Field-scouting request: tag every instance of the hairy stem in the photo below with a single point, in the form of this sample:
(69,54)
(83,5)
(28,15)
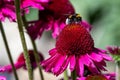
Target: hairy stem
(65,75)
(20,28)
(37,58)
(73,75)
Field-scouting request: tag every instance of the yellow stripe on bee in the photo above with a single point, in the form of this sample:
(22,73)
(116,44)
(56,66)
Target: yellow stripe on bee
(78,15)
(70,16)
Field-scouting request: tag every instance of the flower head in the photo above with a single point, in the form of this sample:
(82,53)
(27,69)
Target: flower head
(115,52)
(75,47)
(110,76)
(7,10)
(51,18)
(21,62)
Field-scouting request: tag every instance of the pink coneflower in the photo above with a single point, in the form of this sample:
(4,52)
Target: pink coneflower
(21,62)
(2,78)
(75,47)
(114,50)
(7,10)
(110,76)
(51,18)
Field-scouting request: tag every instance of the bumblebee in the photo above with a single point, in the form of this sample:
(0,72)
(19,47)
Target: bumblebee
(75,18)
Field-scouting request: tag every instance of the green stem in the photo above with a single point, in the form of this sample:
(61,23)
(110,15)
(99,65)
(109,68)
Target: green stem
(73,75)
(37,58)
(8,51)
(65,75)
(118,70)
(20,28)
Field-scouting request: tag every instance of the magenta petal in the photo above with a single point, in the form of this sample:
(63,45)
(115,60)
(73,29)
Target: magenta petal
(103,63)
(52,51)
(2,78)
(81,78)
(100,66)
(51,65)
(106,56)
(62,25)
(93,69)
(95,57)
(59,64)
(101,50)
(55,30)
(110,76)
(85,60)
(64,66)
(42,0)
(81,67)
(49,60)
(19,65)
(8,68)
(72,62)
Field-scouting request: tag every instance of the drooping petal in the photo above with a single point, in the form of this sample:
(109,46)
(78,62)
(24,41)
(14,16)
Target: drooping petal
(106,56)
(85,60)
(52,51)
(72,63)
(51,65)
(51,59)
(95,57)
(81,67)
(93,69)
(55,30)
(64,66)
(8,68)
(59,64)
(81,78)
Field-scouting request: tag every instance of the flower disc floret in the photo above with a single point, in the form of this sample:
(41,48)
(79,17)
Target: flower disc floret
(74,39)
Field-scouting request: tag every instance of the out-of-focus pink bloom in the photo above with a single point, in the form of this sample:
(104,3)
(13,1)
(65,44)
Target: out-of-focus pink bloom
(21,62)
(51,18)
(114,50)
(75,47)
(2,78)
(25,4)
(7,10)
(110,76)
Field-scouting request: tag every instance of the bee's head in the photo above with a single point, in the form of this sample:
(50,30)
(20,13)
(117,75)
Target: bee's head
(75,18)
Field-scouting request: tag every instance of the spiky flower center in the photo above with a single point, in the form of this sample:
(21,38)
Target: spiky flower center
(74,39)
